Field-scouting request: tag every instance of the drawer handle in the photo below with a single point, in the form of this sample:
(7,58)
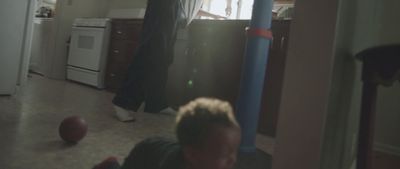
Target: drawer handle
(112,75)
(272,43)
(116,51)
(119,32)
(282,42)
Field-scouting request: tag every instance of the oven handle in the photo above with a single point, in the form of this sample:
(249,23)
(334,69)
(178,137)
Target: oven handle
(88,28)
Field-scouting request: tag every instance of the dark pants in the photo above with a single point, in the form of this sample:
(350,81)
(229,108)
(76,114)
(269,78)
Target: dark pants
(146,82)
(147,75)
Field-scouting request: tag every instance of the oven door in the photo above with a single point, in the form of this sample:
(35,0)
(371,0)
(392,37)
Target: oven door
(86,47)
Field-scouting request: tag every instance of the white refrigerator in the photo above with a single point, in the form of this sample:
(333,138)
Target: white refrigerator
(15,33)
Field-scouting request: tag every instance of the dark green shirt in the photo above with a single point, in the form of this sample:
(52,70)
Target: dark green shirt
(155,153)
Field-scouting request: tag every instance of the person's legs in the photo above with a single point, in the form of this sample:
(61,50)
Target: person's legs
(148,77)
(156,81)
(131,94)
(160,59)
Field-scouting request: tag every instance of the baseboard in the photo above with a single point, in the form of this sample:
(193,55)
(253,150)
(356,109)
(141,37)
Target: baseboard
(387,149)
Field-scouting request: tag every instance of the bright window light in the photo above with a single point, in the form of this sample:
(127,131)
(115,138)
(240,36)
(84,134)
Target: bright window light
(246,10)
(218,7)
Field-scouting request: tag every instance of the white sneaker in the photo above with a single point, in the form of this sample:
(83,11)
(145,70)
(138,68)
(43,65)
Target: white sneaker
(168,110)
(123,115)
(141,107)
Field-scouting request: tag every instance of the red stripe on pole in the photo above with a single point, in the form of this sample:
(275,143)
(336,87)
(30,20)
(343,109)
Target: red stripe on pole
(265,33)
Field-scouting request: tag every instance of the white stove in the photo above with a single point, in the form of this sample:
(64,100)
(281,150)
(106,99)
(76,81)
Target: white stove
(91,22)
(88,51)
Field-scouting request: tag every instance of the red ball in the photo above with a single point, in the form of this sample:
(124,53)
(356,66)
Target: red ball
(73,129)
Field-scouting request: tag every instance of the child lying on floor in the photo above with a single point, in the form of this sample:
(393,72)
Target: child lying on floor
(208,138)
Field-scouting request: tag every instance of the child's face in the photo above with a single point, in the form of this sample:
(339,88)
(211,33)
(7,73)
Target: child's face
(219,150)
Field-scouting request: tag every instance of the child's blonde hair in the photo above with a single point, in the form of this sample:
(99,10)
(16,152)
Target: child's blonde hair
(196,119)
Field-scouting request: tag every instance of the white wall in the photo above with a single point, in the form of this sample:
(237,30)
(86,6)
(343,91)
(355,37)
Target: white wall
(365,25)
(387,26)
(326,125)
(13,16)
(126,4)
(126,8)
(67,11)
(374,22)
(341,126)
(26,53)
(377,24)
(307,85)
(387,137)
(50,1)
(387,22)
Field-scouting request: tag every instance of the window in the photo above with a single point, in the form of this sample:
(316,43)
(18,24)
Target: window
(246,10)
(241,9)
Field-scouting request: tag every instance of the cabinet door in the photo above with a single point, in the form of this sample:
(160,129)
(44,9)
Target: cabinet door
(272,92)
(115,76)
(124,41)
(178,75)
(122,51)
(126,29)
(217,53)
(121,55)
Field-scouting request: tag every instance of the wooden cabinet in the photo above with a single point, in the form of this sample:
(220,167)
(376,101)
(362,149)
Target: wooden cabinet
(207,63)
(124,40)
(178,72)
(273,84)
(213,62)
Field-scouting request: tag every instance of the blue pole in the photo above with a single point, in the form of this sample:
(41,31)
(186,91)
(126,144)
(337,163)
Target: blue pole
(252,82)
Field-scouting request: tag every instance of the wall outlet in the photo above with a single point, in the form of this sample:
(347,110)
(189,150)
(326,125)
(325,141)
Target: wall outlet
(69,2)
